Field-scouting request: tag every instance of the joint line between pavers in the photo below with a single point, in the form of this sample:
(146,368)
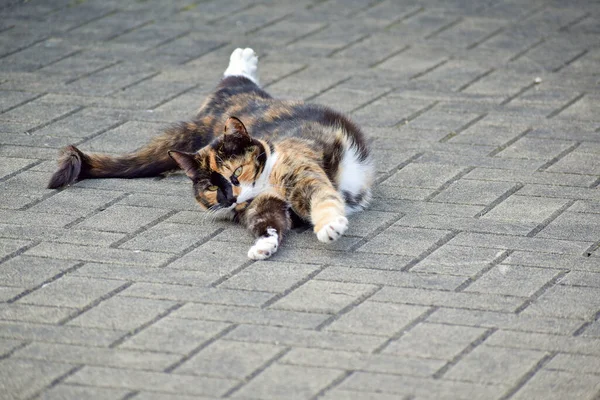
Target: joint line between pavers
(416,114)
(301,282)
(266,25)
(130,395)
(376,232)
(128,30)
(190,248)
(371,4)
(561,274)
(448,237)
(485,38)
(199,348)
(71,54)
(93,304)
(393,54)
(471,279)
(526,50)
(170,40)
(24,102)
(570,61)
(462,128)
(108,128)
(145,325)
(520,92)
(294,72)
(232,273)
(44,283)
(482,338)
(347,309)
(579,331)
(308,34)
(222,17)
(20,251)
(57,381)
(404,18)
(328,88)
(108,14)
(211,50)
(574,22)
(97,210)
(558,157)
(10,53)
(428,70)
(53,120)
(503,146)
(528,375)
(25,168)
(588,252)
(146,78)
(348,45)
(551,218)
(82,76)
(449,182)
(405,329)
(173,97)
(256,372)
(476,79)
(569,104)
(444,28)
(371,101)
(336,382)
(143,228)
(499,200)
(9,354)
(397,168)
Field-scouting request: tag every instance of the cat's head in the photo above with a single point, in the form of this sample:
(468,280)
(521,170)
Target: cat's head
(223,172)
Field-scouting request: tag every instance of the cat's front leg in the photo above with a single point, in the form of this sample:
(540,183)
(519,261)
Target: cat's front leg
(328,214)
(268,218)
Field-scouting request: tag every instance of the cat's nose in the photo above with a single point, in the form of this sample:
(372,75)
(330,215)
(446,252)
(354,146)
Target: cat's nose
(230,201)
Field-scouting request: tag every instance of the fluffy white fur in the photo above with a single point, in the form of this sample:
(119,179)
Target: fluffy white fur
(265,246)
(243,62)
(333,230)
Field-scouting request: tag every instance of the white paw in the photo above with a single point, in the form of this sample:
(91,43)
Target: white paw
(243,62)
(264,247)
(333,230)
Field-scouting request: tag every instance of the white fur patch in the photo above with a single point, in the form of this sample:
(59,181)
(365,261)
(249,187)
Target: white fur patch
(355,177)
(265,246)
(243,62)
(333,230)
(261,184)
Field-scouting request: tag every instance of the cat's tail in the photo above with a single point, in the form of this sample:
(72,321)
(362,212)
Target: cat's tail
(151,160)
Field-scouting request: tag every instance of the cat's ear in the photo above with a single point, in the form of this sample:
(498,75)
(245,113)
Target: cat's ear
(187,162)
(234,125)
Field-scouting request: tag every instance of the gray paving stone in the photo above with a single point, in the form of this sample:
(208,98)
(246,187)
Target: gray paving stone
(485,364)
(576,363)
(174,335)
(456,260)
(24,378)
(228,359)
(122,219)
(33,313)
(124,312)
(269,276)
(493,319)
(546,342)
(77,202)
(574,226)
(403,241)
(566,302)
(146,380)
(434,341)
(391,278)
(250,315)
(558,385)
(473,192)
(522,208)
(293,382)
(58,334)
(419,387)
(71,291)
(71,392)
(309,297)
(473,301)
(25,271)
(76,355)
(540,245)
(422,175)
(512,280)
(305,338)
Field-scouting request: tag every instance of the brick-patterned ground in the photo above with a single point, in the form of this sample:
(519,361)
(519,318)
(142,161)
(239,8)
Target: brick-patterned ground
(474,275)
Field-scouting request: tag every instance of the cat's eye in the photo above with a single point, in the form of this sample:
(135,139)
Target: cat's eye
(212,188)
(237,172)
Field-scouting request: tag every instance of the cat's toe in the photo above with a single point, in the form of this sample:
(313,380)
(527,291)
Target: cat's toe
(333,230)
(236,55)
(263,248)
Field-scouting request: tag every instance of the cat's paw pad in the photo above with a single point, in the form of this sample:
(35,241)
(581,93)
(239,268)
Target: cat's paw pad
(264,247)
(243,62)
(333,230)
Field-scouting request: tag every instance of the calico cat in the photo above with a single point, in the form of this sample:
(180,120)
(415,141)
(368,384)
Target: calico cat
(255,159)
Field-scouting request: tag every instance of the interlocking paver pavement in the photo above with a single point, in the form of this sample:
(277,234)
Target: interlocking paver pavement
(475,273)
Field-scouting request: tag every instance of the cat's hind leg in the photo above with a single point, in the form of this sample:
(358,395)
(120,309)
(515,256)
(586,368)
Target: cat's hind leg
(243,62)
